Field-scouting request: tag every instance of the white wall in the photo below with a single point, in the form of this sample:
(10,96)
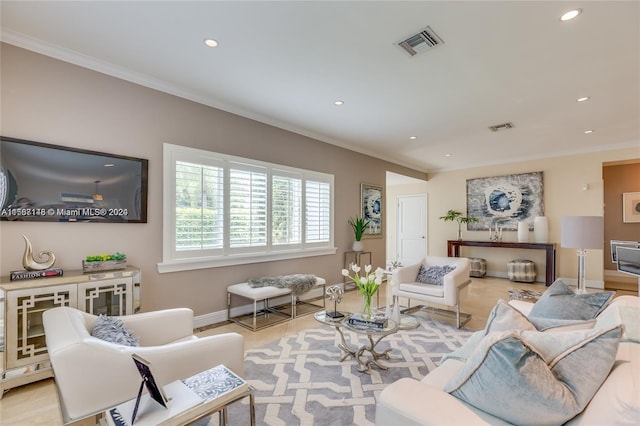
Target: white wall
(563,196)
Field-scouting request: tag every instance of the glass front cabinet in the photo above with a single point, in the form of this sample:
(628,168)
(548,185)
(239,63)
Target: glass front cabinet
(24,355)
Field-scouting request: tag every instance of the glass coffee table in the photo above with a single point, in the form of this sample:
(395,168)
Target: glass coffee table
(374,335)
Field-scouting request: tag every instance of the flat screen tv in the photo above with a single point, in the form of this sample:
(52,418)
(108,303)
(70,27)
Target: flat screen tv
(629,260)
(617,243)
(50,183)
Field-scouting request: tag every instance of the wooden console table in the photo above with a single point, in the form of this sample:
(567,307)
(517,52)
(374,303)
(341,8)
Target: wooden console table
(453,250)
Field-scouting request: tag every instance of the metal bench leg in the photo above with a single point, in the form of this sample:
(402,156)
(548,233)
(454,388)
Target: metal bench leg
(255,313)
(293,306)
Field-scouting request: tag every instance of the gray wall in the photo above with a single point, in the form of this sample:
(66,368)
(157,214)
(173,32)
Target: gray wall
(51,101)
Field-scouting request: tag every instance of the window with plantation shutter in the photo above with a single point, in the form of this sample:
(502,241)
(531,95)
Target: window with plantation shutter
(223,210)
(247,206)
(318,202)
(199,206)
(286,210)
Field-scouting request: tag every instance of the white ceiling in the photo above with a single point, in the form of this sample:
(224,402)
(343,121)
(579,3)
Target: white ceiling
(285,63)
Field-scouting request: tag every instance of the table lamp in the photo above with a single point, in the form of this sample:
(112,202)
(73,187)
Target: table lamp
(582,233)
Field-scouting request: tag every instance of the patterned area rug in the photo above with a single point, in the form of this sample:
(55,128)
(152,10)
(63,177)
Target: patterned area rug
(299,380)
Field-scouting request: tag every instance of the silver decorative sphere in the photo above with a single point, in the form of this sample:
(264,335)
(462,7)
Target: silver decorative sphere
(335,293)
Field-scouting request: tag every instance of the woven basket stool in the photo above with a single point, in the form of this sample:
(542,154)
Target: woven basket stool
(521,270)
(478,267)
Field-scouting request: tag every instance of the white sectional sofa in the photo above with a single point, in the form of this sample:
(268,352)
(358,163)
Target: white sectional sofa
(616,402)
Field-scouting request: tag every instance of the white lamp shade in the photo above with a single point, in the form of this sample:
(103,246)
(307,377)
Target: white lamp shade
(582,232)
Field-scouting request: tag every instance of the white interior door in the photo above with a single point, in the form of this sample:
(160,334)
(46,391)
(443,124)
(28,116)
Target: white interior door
(412,228)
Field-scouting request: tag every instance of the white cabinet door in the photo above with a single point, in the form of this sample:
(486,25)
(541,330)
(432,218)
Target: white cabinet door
(25,342)
(112,297)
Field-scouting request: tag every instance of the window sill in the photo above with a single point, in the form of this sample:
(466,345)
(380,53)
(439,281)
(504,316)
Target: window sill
(191,264)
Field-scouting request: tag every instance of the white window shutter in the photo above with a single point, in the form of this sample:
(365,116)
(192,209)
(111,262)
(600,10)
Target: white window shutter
(199,206)
(286,210)
(247,206)
(318,211)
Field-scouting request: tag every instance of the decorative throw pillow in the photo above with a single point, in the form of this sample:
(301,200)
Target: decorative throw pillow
(529,377)
(433,274)
(112,330)
(559,301)
(504,317)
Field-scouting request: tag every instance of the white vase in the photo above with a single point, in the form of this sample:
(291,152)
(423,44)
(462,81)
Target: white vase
(523,232)
(541,229)
(357,246)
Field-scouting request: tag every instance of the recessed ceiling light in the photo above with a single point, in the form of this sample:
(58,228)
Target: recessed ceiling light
(586,132)
(109,165)
(338,103)
(211,42)
(569,15)
(413,138)
(448,155)
(582,99)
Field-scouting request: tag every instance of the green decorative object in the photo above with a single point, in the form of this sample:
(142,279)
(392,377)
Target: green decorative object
(454,215)
(104,262)
(358,224)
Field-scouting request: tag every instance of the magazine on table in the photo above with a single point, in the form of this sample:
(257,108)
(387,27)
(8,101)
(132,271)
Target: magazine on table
(217,382)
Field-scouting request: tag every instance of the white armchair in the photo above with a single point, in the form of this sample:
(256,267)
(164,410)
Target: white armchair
(92,374)
(446,294)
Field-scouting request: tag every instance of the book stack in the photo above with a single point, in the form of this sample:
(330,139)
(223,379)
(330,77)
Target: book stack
(29,275)
(378,323)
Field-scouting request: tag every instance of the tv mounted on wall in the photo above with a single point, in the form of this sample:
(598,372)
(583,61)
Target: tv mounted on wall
(51,183)
(617,243)
(629,260)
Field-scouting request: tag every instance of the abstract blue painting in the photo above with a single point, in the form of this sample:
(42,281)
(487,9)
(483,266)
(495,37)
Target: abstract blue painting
(505,200)
(371,198)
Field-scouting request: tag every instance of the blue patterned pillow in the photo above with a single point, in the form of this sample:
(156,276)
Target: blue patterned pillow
(433,274)
(529,377)
(559,301)
(112,330)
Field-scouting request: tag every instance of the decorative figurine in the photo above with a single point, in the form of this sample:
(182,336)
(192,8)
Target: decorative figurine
(31,264)
(335,293)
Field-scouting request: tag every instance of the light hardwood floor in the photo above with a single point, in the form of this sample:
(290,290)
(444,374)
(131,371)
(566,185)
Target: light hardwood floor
(37,403)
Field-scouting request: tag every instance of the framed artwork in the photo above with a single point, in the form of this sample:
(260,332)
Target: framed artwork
(631,207)
(371,198)
(505,201)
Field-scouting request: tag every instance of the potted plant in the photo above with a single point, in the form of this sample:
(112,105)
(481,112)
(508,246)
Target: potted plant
(458,217)
(358,224)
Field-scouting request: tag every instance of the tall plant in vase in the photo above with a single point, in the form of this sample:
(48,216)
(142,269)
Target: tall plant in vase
(455,215)
(359,225)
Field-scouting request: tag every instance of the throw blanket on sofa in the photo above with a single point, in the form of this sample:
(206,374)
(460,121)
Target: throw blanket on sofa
(297,283)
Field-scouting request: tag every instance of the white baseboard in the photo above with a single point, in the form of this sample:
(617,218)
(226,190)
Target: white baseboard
(501,274)
(221,316)
(620,277)
(597,284)
(589,283)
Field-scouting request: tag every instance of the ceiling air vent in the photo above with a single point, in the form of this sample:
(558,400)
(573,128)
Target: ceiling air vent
(503,126)
(425,40)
